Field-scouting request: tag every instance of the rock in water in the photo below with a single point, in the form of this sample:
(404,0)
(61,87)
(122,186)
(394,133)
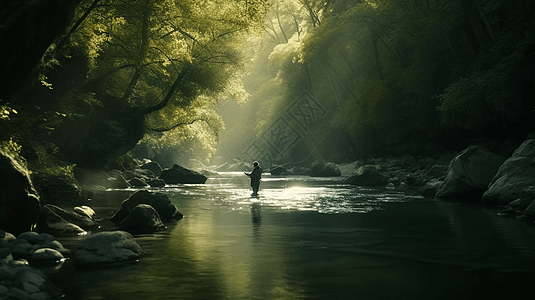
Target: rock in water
(107,248)
(46,256)
(142,219)
(516,173)
(55,220)
(156,183)
(178,174)
(277,170)
(470,173)
(159,201)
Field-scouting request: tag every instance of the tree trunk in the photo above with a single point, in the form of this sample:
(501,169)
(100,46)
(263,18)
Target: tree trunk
(142,53)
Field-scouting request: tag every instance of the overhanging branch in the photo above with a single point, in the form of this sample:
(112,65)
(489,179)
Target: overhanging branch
(163,129)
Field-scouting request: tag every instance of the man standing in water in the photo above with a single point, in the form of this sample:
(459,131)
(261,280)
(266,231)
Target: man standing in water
(255,175)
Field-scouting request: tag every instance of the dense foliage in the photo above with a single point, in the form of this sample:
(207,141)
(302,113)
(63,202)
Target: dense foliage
(400,76)
(155,69)
(388,77)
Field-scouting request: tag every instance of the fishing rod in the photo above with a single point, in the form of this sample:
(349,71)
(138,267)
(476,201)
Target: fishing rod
(281,165)
(298,162)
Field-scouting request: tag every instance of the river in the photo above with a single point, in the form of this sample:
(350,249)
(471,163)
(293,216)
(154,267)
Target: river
(315,238)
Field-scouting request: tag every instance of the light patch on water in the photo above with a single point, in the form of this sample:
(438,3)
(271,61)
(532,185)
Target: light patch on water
(231,192)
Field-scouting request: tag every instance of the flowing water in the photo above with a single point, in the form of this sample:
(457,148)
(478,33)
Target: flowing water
(315,238)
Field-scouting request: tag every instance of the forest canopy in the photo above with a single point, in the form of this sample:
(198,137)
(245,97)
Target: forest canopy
(344,78)
(398,76)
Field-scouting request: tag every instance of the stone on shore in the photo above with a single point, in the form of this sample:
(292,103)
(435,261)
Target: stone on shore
(107,248)
(178,174)
(142,219)
(368,175)
(515,173)
(321,169)
(470,173)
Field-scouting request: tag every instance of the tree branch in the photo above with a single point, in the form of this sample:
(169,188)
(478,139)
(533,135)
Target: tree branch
(177,125)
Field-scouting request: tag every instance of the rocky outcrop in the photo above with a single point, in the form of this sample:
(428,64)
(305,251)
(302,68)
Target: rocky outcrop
(367,175)
(142,219)
(321,169)
(516,173)
(106,248)
(178,174)
(159,201)
(470,173)
(19,201)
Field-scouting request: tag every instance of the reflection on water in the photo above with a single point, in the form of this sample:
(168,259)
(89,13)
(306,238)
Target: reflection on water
(317,238)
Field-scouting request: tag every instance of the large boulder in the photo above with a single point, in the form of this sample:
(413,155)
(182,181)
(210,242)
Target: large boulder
(368,175)
(321,169)
(107,248)
(137,182)
(142,219)
(19,201)
(55,220)
(515,173)
(470,173)
(153,166)
(159,201)
(45,256)
(156,183)
(179,174)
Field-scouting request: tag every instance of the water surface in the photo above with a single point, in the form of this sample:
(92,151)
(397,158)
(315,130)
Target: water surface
(316,238)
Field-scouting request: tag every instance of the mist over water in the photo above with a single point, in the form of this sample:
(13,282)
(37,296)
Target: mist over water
(316,238)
